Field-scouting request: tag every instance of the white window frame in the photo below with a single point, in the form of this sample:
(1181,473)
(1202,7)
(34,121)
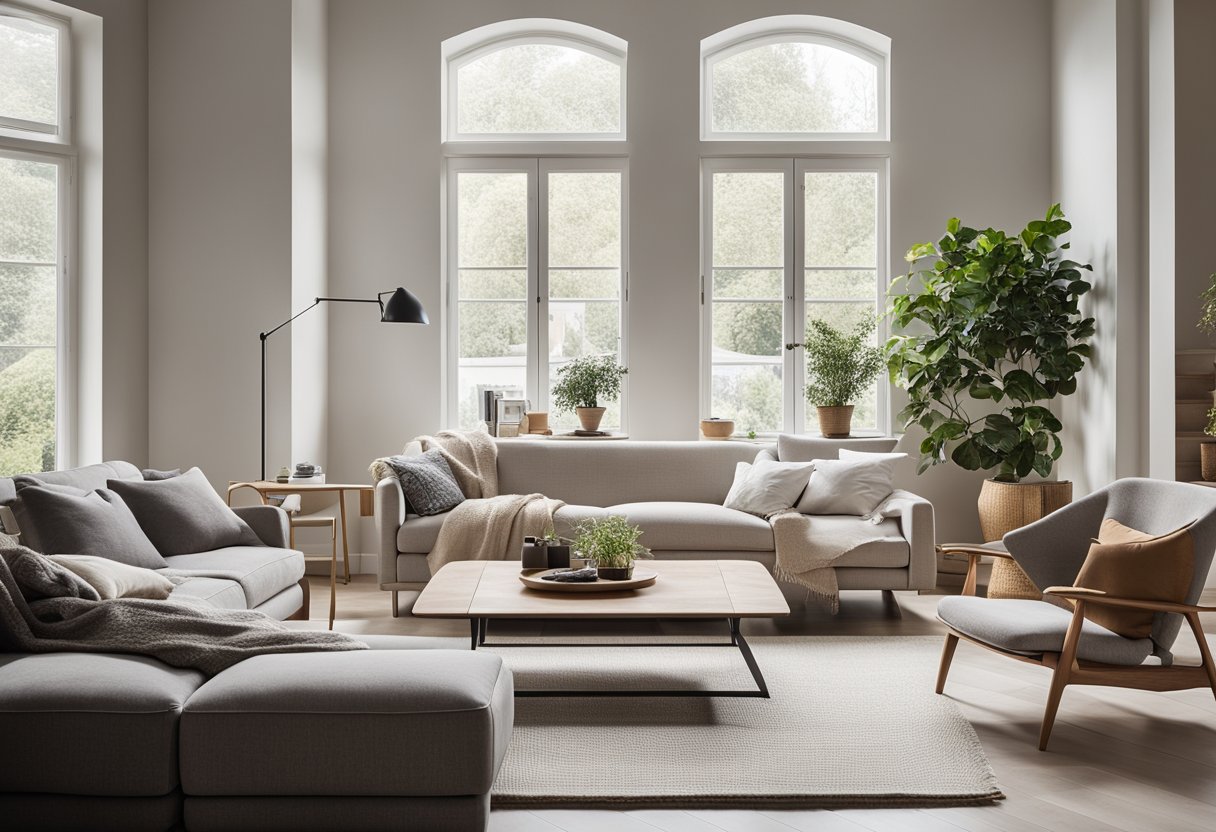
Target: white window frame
(794,284)
(537,170)
(61,133)
(477,43)
(872,47)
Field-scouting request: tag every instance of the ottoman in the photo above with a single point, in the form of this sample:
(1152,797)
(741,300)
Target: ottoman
(382,739)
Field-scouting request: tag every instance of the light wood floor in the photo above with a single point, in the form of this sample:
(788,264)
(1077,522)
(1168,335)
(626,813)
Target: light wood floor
(1119,760)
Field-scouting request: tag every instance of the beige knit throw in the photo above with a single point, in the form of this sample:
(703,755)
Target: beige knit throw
(471,454)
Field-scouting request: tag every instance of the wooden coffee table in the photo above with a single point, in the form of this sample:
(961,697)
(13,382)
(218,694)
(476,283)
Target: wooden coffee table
(732,590)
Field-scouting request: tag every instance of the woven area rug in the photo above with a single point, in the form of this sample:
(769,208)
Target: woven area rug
(853,722)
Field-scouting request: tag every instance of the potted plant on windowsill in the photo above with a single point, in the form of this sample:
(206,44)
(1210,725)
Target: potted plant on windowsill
(612,542)
(586,382)
(839,368)
(992,318)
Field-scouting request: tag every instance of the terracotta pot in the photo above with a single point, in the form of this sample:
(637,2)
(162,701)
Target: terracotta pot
(590,417)
(717,428)
(1005,506)
(1207,461)
(835,422)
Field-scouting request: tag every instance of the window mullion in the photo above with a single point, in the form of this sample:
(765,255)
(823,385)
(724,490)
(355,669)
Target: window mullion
(538,284)
(791,358)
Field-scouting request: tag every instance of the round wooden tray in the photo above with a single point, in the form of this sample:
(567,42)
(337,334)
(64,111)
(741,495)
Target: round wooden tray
(641,578)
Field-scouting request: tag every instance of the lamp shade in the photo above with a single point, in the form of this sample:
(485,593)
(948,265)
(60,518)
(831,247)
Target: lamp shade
(403,308)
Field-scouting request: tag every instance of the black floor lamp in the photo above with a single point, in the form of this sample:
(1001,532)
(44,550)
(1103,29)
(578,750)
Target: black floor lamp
(401,308)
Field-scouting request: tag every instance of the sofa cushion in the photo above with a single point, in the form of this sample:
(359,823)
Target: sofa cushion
(97,523)
(442,717)
(885,548)
(91,723)
(184,515)
(217,592)
(112,579)
(262,571)
(674,525)
(1034,627)
(427,482)
(418,534)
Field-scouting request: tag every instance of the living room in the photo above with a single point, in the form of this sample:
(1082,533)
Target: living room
(880,333)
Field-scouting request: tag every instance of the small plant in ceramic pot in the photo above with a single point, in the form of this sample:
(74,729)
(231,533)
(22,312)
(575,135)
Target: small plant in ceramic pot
(612,542)
(839,368)
(584,383)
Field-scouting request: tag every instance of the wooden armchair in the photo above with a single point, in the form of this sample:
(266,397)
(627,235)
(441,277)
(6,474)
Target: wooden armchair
(1078,651)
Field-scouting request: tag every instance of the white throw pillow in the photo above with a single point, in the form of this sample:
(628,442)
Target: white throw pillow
(113,579)
(767,486)
(849,486)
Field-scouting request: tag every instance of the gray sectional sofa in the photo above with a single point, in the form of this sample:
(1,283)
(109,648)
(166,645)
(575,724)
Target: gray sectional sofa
(674,491)
(400,736)
(267,578)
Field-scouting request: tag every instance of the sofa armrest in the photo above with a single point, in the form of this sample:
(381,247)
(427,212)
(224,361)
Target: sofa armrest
(390,515)
(915,516)
(269,523)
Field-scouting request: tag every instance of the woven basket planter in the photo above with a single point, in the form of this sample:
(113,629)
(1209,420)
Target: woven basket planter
(836,422)
(1207,461)
(1005,506)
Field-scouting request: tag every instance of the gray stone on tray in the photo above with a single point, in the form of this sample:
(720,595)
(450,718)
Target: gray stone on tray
(579,576)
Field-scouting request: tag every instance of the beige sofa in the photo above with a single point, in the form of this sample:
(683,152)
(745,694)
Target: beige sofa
(674,492)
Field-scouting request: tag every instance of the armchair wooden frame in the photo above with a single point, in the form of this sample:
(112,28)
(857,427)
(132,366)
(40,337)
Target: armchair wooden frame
(1066,668)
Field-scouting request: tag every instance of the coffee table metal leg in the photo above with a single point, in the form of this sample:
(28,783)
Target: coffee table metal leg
(474,632)
(737,637)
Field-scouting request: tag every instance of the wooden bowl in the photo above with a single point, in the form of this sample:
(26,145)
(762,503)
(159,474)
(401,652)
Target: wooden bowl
(717,428)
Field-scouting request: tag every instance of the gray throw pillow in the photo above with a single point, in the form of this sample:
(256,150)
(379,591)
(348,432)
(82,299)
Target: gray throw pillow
(153,474)
(427,481)
(184,515)
(96,523)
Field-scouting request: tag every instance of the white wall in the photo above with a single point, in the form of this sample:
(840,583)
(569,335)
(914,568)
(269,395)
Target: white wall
(1096,170)
(970,138)
(310,334)
(112,77)
(220,230)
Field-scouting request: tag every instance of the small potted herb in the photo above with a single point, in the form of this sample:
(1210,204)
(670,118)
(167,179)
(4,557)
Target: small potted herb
(612,542)
(586,382)
(839,368)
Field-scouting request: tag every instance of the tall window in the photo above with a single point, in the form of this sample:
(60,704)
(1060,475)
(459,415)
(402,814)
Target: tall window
(35,160)
(789,240)
(537,249)
(536,254)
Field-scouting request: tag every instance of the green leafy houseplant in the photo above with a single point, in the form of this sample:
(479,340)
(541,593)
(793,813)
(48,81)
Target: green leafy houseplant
(1207,313)
(611,541)
(840,366)
(585,382)
(990,317)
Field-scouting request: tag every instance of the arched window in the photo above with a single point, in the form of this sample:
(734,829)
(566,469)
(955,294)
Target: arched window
(533,80)
(795,77)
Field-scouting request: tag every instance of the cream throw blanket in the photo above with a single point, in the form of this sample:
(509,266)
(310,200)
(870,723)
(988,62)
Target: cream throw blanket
(806,556)
(487,525)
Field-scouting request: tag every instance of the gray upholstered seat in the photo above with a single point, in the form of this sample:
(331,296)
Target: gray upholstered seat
(1032,628)
(216,592)
(262,571)
(91,723)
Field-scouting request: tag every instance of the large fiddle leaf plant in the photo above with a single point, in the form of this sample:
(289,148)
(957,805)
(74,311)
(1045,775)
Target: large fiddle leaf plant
(989,317)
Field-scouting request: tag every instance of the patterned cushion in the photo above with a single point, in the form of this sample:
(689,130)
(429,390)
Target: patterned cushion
(427,481)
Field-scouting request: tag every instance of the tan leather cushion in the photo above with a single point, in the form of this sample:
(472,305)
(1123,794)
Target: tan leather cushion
(1127,563)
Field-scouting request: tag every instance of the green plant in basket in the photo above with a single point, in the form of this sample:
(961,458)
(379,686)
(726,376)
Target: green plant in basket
(585,382)
(611,542)
(993,317)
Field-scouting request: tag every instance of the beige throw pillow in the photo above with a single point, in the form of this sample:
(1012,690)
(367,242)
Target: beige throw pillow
(1127,563)
(113,579)
(766,486)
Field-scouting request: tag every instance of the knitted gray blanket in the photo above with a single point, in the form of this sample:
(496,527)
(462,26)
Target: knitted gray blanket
(45,608)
